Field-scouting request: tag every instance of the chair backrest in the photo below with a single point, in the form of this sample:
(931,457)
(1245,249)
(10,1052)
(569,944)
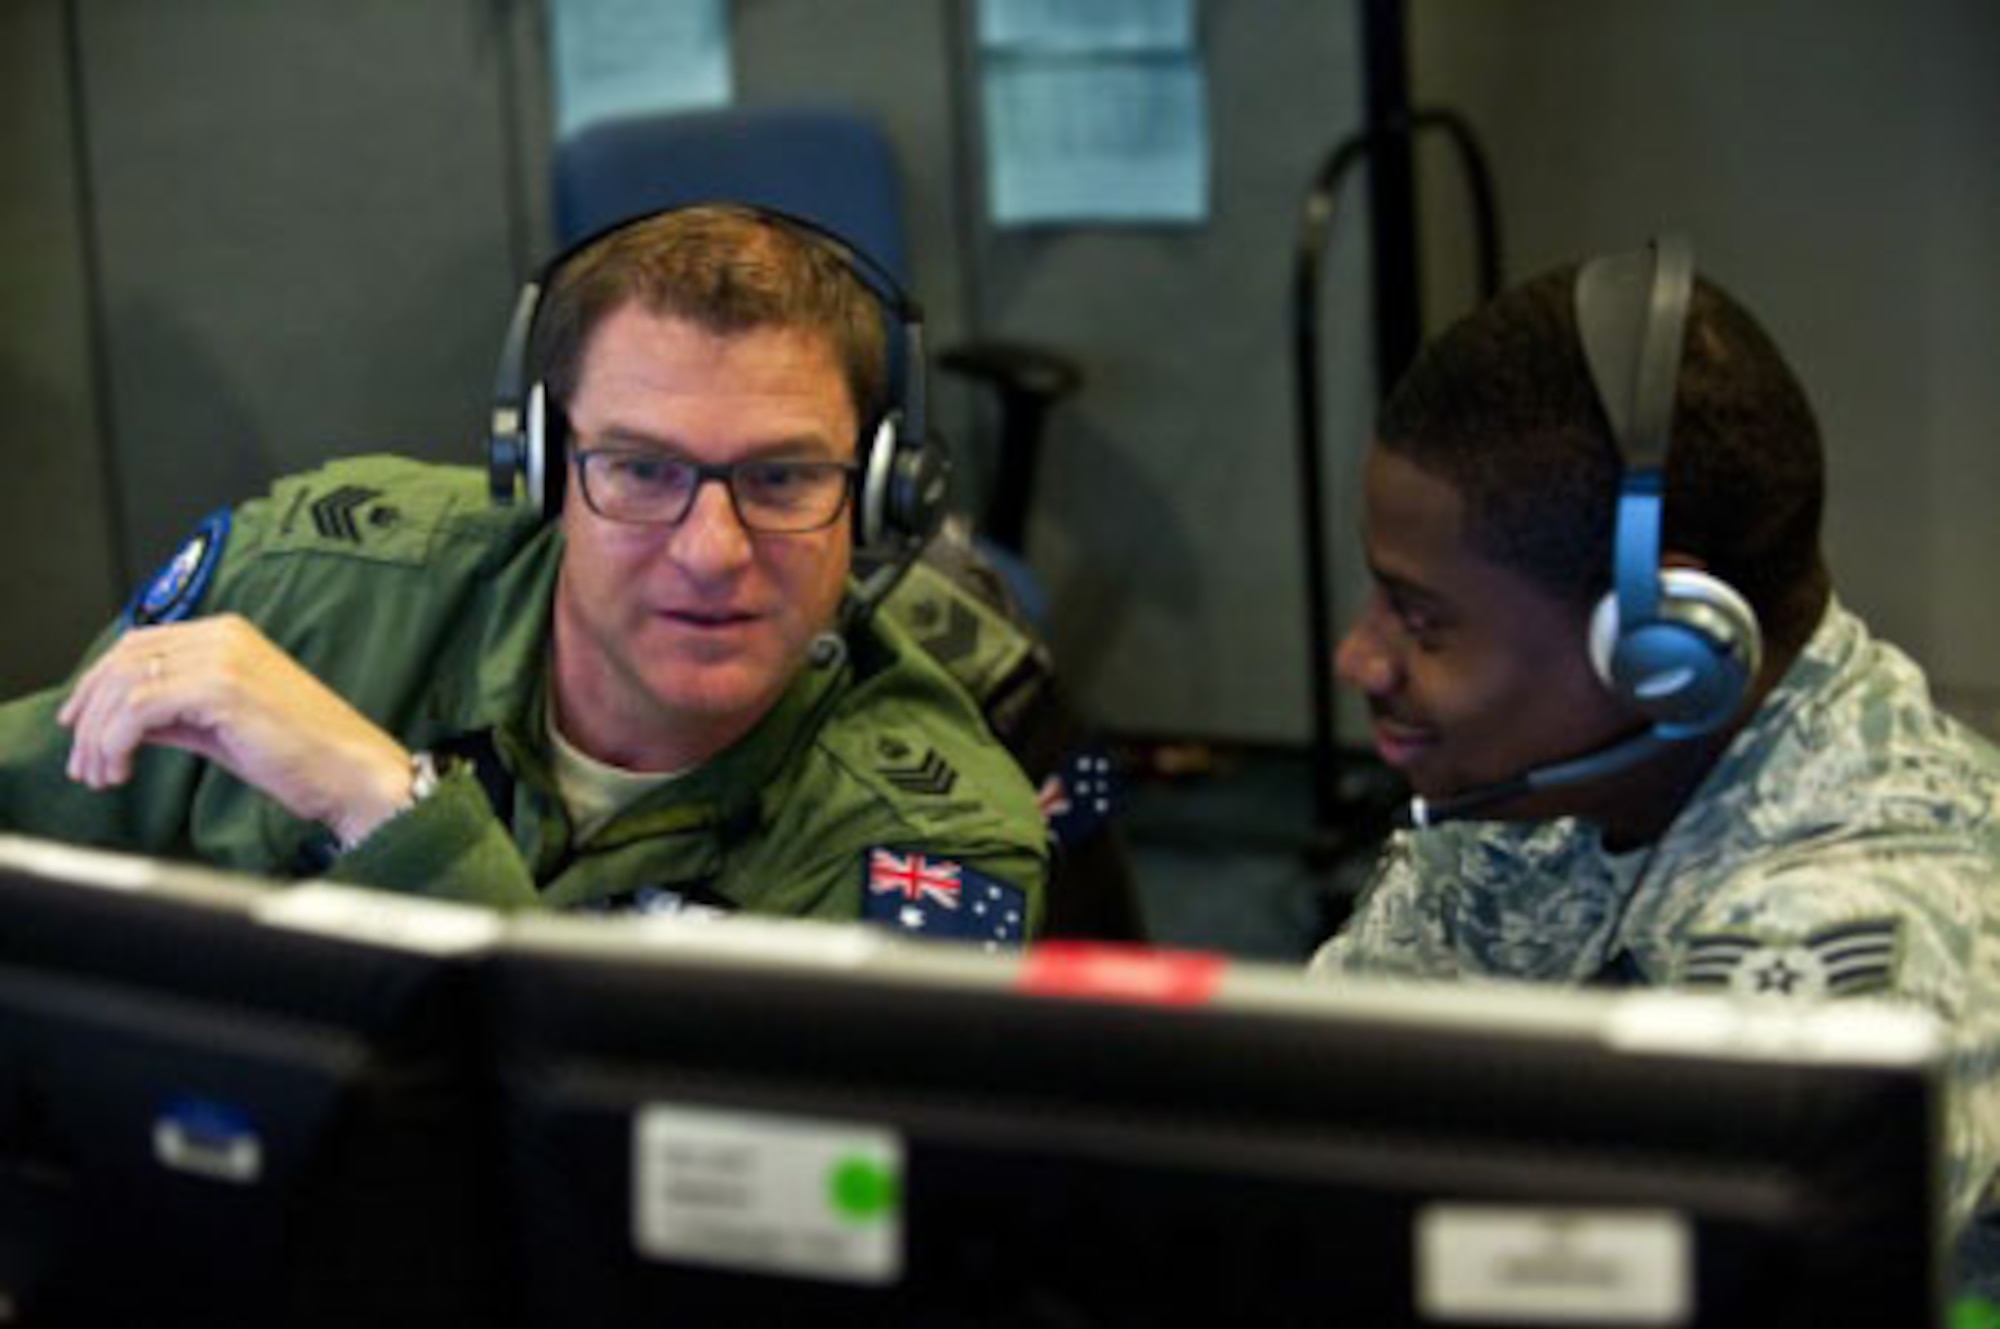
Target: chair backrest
(829,165)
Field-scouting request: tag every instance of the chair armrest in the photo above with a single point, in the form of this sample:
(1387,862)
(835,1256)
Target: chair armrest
(1015,368)
(1028,380)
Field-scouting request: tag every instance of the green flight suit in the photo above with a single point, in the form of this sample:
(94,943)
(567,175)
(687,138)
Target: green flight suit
(404,589)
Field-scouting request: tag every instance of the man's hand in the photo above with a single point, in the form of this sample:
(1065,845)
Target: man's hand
(217,687)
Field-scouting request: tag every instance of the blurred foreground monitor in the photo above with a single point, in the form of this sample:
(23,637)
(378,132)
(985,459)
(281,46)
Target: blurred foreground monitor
(246,1104)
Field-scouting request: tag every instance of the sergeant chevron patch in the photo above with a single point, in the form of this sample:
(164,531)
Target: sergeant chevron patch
(952,640)
(1842,960)
(333,512)
(929,774)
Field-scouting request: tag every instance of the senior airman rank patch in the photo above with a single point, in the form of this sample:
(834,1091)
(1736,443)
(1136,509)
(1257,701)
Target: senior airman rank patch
(937,897)
(1842,960)
(173,593)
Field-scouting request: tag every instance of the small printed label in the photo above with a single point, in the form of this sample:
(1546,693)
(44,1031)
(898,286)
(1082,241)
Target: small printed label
(1509,1265)
(782,940)
(768,1194)
(404,923)
(1856,1031)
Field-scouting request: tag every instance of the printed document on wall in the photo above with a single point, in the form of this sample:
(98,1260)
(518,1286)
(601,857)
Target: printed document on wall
(617,58)
(1099,27)
(1093,112)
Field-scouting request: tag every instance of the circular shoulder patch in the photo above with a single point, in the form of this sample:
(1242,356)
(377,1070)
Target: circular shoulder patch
(173,593)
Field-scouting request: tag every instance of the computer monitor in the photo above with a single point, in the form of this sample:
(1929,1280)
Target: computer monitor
(225,1102)
(732,1123)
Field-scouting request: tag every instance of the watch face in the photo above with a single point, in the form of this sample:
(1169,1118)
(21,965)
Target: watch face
(424,776)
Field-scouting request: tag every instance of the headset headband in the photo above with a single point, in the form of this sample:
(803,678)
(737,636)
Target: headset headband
(512,381)
(1631,314)
(904,475)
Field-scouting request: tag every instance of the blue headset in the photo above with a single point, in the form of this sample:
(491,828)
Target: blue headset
(1679,645)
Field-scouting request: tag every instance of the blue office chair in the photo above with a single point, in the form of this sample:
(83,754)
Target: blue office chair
(830,166)
(837,169)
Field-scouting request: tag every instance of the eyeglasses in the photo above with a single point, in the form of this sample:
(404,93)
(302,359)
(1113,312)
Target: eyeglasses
(770,497)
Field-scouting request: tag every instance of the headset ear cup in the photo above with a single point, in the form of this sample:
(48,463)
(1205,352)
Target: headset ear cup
(918,490)
(1690,667)
(507,440)
(903,490)
(871,520)
(545,460)
(1604,638)
(505,444)
(534,448)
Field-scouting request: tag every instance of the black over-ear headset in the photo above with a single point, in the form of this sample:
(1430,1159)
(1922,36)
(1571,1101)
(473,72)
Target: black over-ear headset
(900,496)
(1682,647)
(1678,644)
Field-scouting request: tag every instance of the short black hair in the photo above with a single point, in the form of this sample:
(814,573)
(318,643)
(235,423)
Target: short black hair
(1502,408)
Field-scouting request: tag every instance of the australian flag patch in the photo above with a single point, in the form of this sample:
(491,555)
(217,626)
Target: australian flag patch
(1076,798)
(1843,960)
(939,897)
(175,590)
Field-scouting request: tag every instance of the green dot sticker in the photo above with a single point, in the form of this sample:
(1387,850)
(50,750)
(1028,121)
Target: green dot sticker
(862,1189)
(1972,1312)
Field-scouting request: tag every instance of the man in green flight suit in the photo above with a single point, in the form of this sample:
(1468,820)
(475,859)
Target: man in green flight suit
(647,688)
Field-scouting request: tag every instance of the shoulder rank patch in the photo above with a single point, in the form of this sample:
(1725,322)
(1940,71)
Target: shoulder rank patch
(172,593)
(914,772)
(937,897)
(947,629)
(376,509)
(1842,960)
(333,512)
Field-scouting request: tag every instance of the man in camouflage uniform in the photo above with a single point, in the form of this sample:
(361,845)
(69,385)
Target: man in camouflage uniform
(656,700)
(1836,837)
